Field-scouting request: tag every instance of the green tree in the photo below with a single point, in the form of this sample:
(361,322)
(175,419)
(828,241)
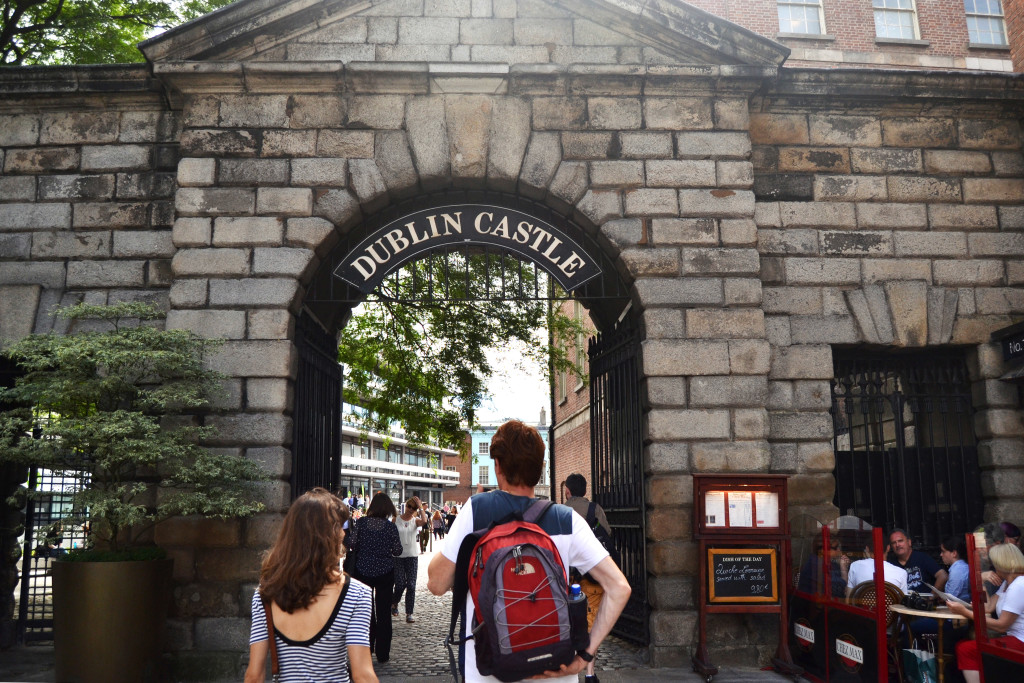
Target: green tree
(417,354)
(120,402)
(88,31)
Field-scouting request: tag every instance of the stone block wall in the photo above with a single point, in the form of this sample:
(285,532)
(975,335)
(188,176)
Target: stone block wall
(895,227)
(86,195)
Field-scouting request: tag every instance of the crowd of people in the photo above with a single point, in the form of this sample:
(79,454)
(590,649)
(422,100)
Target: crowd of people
(914,571)
(339,568)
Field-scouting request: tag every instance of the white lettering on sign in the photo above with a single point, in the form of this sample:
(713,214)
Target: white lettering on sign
(414,234)
(850,651)
(803,633)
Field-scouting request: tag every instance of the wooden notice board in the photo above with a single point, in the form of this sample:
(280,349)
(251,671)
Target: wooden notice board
(743,575)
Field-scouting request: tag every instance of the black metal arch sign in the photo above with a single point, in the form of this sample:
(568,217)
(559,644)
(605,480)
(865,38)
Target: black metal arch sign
(415,234)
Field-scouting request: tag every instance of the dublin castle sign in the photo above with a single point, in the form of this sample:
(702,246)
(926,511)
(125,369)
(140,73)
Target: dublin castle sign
(415,234)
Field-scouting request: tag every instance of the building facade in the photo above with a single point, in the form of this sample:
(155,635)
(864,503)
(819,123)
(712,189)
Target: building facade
(482,472)
(373,462)
(786,234)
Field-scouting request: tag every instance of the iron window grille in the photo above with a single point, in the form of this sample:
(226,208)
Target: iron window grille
(906,454)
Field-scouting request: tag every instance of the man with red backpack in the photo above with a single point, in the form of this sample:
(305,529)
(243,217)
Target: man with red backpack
(518,453)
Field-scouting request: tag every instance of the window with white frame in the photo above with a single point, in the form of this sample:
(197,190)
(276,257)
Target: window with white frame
(450,468)
(801,16)
(484,449)
(895,19)
(985,23)
(485,474)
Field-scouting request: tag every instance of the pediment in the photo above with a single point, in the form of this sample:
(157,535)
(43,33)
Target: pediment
(515,31)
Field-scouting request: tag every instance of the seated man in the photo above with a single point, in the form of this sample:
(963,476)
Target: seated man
(921,568)
(864,570)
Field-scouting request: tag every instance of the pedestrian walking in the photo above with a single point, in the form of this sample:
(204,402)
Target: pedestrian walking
(375,543)
(320,617)
(406,564)
(437,525)
(518,453)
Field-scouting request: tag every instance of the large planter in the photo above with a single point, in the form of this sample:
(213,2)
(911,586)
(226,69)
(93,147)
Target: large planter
(108,620)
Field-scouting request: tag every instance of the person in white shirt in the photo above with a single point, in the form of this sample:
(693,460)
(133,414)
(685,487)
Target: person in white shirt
(518,453)
(406,564)
(864,570)
(1008,603)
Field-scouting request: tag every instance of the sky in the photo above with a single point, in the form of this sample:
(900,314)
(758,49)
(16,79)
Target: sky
(518,390)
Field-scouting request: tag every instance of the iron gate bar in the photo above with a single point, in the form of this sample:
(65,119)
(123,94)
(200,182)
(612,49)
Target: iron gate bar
(316,420)
(617,481)
(921,474)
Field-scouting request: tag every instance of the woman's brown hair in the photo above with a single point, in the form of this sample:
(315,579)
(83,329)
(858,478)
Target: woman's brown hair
(381,506)
(307,552)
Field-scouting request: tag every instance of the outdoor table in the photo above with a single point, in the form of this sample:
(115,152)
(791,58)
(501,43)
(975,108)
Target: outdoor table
(939,614)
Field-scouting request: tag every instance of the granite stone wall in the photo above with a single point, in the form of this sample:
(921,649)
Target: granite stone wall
(762,218)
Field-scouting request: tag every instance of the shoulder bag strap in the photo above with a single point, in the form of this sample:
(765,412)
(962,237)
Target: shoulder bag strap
(592,515)
(274,666)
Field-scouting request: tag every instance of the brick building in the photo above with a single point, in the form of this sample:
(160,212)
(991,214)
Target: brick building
(784,234)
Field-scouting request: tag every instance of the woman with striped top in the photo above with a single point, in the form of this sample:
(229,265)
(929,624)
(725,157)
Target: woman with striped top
(321,617)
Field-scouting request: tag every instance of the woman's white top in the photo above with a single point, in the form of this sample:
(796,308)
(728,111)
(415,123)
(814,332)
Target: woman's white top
(407,533)
(1011,599)
(324,657)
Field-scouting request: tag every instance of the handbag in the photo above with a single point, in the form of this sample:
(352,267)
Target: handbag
(920,666)
(275,670)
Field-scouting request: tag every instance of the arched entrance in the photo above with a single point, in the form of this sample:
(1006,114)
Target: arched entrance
(507,233)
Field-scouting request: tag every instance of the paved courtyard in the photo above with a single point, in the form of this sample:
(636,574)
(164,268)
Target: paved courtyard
(418,654)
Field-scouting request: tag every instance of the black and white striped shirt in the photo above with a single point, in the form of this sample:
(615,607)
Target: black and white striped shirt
(324,657)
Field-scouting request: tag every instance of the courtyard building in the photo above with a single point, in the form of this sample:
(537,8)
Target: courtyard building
(795,228)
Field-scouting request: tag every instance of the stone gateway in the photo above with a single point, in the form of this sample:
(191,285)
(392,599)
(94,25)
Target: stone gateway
(768,220)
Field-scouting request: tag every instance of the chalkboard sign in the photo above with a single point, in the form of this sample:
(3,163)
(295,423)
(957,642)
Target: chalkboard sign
(742,575)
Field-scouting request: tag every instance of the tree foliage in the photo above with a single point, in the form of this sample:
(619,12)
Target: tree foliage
(88,31)
(116,404)
(424,364)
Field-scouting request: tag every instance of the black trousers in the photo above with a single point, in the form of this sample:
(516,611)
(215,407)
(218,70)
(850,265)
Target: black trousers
(380,624)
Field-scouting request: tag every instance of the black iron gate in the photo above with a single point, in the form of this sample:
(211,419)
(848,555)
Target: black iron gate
(617,471)
(906,454)
(47,537)
(316,442)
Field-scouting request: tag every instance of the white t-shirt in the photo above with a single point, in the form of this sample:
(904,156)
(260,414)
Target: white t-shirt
(864,570)
(579,549)
(407,533)
(1011,599)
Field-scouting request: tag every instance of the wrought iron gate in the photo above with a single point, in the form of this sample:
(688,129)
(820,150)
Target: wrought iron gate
(46,538)
(906,454)
(617,472)
(316,422)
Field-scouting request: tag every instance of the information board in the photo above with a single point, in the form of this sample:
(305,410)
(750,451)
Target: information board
(742,575)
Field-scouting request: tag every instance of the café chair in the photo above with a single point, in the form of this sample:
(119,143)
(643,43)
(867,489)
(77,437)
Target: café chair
(864,595)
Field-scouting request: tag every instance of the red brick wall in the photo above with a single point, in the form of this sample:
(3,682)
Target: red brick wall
(1013,10)
(464,490)
(942,23)
(572,448)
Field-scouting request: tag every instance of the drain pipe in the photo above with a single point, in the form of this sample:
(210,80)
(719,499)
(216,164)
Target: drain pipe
(551,395)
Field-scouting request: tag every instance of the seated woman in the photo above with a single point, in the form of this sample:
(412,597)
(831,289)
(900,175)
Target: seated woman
(954,550)
(1008,602)
(320,617)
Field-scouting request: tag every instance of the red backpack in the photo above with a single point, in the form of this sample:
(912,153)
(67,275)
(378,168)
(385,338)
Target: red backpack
(524,621)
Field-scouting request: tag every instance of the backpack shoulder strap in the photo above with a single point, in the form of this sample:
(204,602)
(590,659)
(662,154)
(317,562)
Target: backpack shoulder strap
(592,514)
(536,510)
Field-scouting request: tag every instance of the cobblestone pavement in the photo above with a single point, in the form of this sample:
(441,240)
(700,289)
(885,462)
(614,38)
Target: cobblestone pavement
(418,654)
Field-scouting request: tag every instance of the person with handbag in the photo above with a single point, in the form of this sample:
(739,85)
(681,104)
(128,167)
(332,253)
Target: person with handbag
(319,617)
(376,543)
